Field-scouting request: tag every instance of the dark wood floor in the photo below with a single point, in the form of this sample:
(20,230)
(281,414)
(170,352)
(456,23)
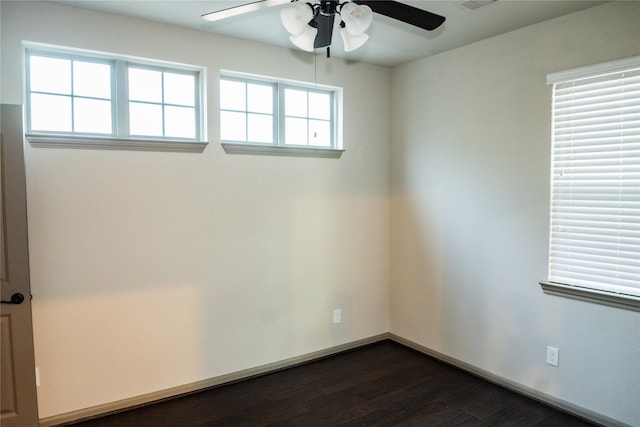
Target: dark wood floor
(384,384)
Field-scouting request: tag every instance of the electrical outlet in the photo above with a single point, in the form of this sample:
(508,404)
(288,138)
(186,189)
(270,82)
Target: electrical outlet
(552,356)
(337,315)
(37,377)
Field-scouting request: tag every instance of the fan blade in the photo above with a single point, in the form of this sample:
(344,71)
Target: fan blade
(405,13)
(245,8)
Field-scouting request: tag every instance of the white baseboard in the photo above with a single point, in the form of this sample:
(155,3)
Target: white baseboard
(513,386)
(146,399)
(287,363)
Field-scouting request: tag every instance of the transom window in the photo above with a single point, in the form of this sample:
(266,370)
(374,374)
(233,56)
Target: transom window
(78,95)
(258,111)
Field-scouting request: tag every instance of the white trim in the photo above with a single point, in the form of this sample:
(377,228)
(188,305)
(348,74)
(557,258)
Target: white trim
(108,143)
(592,70)
(67,50)
(149,398)
(612,299)
(279,150)
(125,404)
(269,79)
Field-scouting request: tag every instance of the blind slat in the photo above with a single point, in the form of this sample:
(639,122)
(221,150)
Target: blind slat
(626,258)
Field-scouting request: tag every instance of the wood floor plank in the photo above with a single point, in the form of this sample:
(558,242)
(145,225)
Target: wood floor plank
(383,384)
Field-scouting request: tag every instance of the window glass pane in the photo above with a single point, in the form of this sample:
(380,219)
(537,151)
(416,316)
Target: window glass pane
(50,112)
(179,122)
(295,131)
(92,79)
(179,89)
(92,116)
(145,119)
(319,133)
(319,105)
(260,128)
(145,85)
(260,98)
(233,95)
(295,102)
(51,75)
(233,126)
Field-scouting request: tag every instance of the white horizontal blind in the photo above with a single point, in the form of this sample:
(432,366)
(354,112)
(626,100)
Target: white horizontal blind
(595,194)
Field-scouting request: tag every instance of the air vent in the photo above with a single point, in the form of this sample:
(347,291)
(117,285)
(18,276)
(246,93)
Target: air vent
(476,4)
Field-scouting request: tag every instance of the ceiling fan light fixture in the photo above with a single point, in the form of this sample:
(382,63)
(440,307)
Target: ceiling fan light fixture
(296,18)
(357,18)
(352,41)
(305,40)
(310,23)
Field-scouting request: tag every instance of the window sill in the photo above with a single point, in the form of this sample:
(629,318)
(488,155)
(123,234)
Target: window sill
(272,150)
(107,143)
(628,302)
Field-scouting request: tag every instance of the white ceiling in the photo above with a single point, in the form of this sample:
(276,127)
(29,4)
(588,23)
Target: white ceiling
(391,42)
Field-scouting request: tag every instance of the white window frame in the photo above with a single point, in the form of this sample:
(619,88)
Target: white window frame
(120,138)
(278,146)
(594,244)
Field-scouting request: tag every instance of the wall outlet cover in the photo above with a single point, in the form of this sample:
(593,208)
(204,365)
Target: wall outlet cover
(552,356)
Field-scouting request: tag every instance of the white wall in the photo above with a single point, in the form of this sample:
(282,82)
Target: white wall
(152,270)
(470,189)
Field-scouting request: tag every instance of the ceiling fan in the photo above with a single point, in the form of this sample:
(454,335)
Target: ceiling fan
(310,24)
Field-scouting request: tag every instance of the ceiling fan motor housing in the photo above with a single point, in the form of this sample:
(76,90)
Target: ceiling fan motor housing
(328,7)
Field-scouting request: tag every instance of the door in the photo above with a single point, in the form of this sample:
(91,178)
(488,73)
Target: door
(17,367)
